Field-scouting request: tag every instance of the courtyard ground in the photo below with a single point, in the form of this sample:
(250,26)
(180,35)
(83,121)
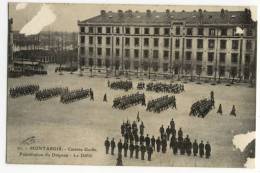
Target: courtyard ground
(86,124)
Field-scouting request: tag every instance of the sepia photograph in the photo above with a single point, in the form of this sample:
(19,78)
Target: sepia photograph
(131,85)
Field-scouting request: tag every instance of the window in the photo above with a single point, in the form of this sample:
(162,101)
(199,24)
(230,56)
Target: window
(210,56)
(146,31)
(145,65)
(233,71)
(165,67)
(155,66)
(166,31)
(248,44)
(221,71)
(222,57)
(200,31)
(136,65)
(223,32)
(188,43)
(108,40)
(99,40)
(178,30)
(177,55)
(127,41)
(127,53)
(165,54)
(82,29)
(156,42)
(127,30)
(234,32)
(117,52)
(177,43)
(146,53)
(117,41)
(189,31)
(91,51)
(82,50)
(200,43)
(117,30)
(210,70)
(211,32)
(108,30)
(234,44)
(223,44)
(99,51)
(90,40)
(107,51)
(188,55)
(90,30)
(107,63)
(90,62)
(136,41)
(156,31)
(155,54)
(136,53)
(99,62)
(247,59)
(199,56)
(234,58)
(166,42)
(82,39)
(211,44)
(99,30)
(137,30)
(146,41)
(198,69)
(127,64)
(249,32)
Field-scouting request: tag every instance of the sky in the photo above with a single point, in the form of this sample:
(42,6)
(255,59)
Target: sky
(67,15)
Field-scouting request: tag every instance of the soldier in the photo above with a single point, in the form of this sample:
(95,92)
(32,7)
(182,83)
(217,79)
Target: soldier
(172,124)
(119,161)
(208,150)
(91,94)
(138,118)
(131,148)
(143,150)
(180,133)
(147,141)
(141,139)
(107,144)
(182,147)
(220,109)
(137,148)
(168,132)
(153,142)
(201,149)
(175,146)
(173,131)
(149,152)
(212,98)
(161,131)
(164,145)
(195,147)
(119,147)
(158,144)
(233,111)
(142,128)
(123,129)
(113,145)
(188,148)
(105,98)
(125,146)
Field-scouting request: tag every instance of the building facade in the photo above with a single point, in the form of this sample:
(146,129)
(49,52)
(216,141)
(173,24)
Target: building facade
(220,44)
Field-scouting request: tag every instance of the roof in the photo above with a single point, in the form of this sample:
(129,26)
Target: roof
(194,17)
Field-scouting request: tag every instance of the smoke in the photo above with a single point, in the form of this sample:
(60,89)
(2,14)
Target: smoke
(44,17)
(242,140)
(21,6)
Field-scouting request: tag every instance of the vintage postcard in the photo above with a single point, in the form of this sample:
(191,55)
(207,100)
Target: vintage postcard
(131,85)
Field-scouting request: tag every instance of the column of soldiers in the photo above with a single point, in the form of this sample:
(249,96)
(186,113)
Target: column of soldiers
(49,93)
(162,87)
(135,143)
(129,100)
(162,103)
(23,90)
(141,85)
(74,95)
(125,85)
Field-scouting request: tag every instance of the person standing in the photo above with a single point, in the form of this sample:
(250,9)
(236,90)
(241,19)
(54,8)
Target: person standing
(233,111)
(208,150)
(149,152)
(131,148)
(107,144)
(220,109)
(105,98)
(119,147)
(125,146)
(195,147)
(113,145)
(143,150)
(119,161)
(201,149)
(158,144)
(153,142)
(137,148)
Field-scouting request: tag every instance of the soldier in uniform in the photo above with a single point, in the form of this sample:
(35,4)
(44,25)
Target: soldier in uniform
(149,152)
(123,129)
(220,109)
(168,132)
(175,146)
(119,147)
(147,141)
(141,139)
(180,133)
(91,94)
(153,142)
(161,131)
(158,144)
(141,128)
(172,124)
(125,146)
(137,148)
(212,98)
(138,118)
(105,98)
(113,145)
(195,147)
(107,144)
(119,160)
(201,149)
(233,111)
(143,150)
(131,148)
(208,150)
(164,145)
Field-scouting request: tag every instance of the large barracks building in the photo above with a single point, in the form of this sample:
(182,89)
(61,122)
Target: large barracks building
(219,44)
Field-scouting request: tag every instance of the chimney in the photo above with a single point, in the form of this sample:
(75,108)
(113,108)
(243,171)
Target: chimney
(222,12)
(148,12)
(103,12)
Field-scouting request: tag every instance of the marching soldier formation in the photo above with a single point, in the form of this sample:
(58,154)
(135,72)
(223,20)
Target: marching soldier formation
(201,108)
(129,100)
(49,93)
(167,88)
(125,85)
(141,85)
(161,104)
(23,90)
(74,95)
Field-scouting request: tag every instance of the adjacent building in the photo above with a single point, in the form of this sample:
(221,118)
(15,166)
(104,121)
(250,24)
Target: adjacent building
(212,44)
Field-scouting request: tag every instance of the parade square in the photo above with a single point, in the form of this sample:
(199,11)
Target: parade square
(86,124)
